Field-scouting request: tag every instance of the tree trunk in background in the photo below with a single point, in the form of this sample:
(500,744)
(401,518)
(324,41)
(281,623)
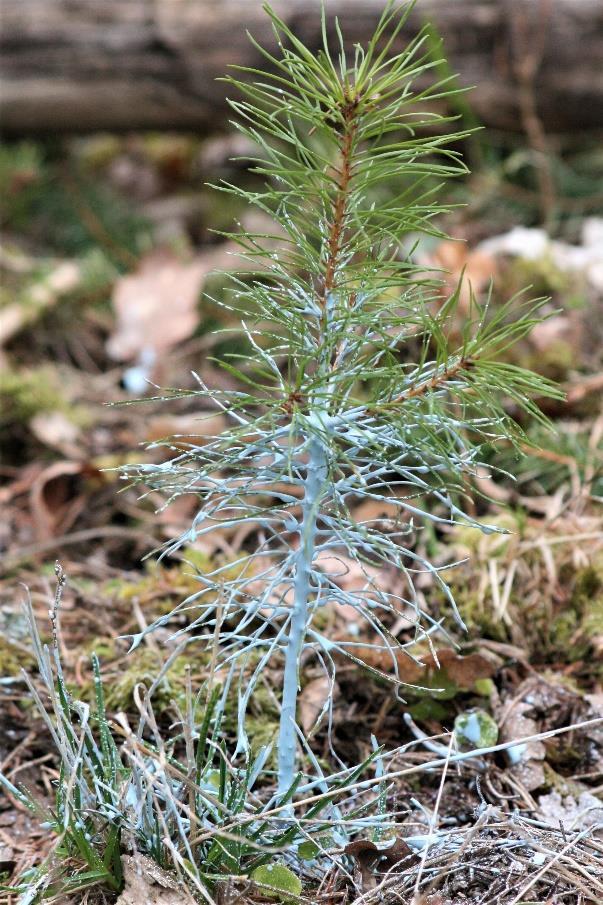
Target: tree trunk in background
(80,65)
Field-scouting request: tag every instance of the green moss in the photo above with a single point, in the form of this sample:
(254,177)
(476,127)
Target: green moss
(13,658)
(485,688)
(544,277)
(588,585)
(473,542)
(173,154)
(104,648)
(560,784)
(177,581)
(97,151)
(477,615)
(225,211)
(143,666)
(563,627)
(592,622)
(428,709)
(440,685)
(555,362)
(24,394)
(157,589)
(21,169)
(321,619)
(574,630)
(199,560)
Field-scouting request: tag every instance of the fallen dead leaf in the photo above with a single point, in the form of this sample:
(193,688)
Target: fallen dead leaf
(22,484)
(526,760)
(379,511)
(313,702)
(541,704)
(55,499)
(56,430)
(145,883)
(350,574)
(574,814)
(372,858)
(583,386)
(463,670)
(157,306)
(456,259)
(453,668)
(554,330)
(176,518)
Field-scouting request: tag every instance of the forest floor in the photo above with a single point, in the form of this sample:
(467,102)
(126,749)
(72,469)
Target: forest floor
(107,252)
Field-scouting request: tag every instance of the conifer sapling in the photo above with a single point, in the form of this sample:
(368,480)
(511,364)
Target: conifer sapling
(358,384)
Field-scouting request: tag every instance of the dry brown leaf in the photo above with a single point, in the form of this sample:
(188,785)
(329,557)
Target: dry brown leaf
(147,884)
(597,645)
(455,257)
(352,577)
(56,430)
(349,574)
(454,668)
(371,858)
(157,306)
(408,670)
(554,330)
(463,670)
(573,813)
(176,518)
(583,386)
(378,510)
(490,488)
(55,498)
(312,700)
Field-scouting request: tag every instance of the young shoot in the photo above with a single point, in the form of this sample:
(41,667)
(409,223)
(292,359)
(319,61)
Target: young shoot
(360,384)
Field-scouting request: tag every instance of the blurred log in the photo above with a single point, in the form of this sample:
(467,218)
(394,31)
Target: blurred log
(80,65)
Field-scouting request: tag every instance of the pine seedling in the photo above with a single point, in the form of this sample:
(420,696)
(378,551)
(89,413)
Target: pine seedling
(358,386)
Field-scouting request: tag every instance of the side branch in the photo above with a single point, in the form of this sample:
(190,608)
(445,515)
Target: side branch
(438,380)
